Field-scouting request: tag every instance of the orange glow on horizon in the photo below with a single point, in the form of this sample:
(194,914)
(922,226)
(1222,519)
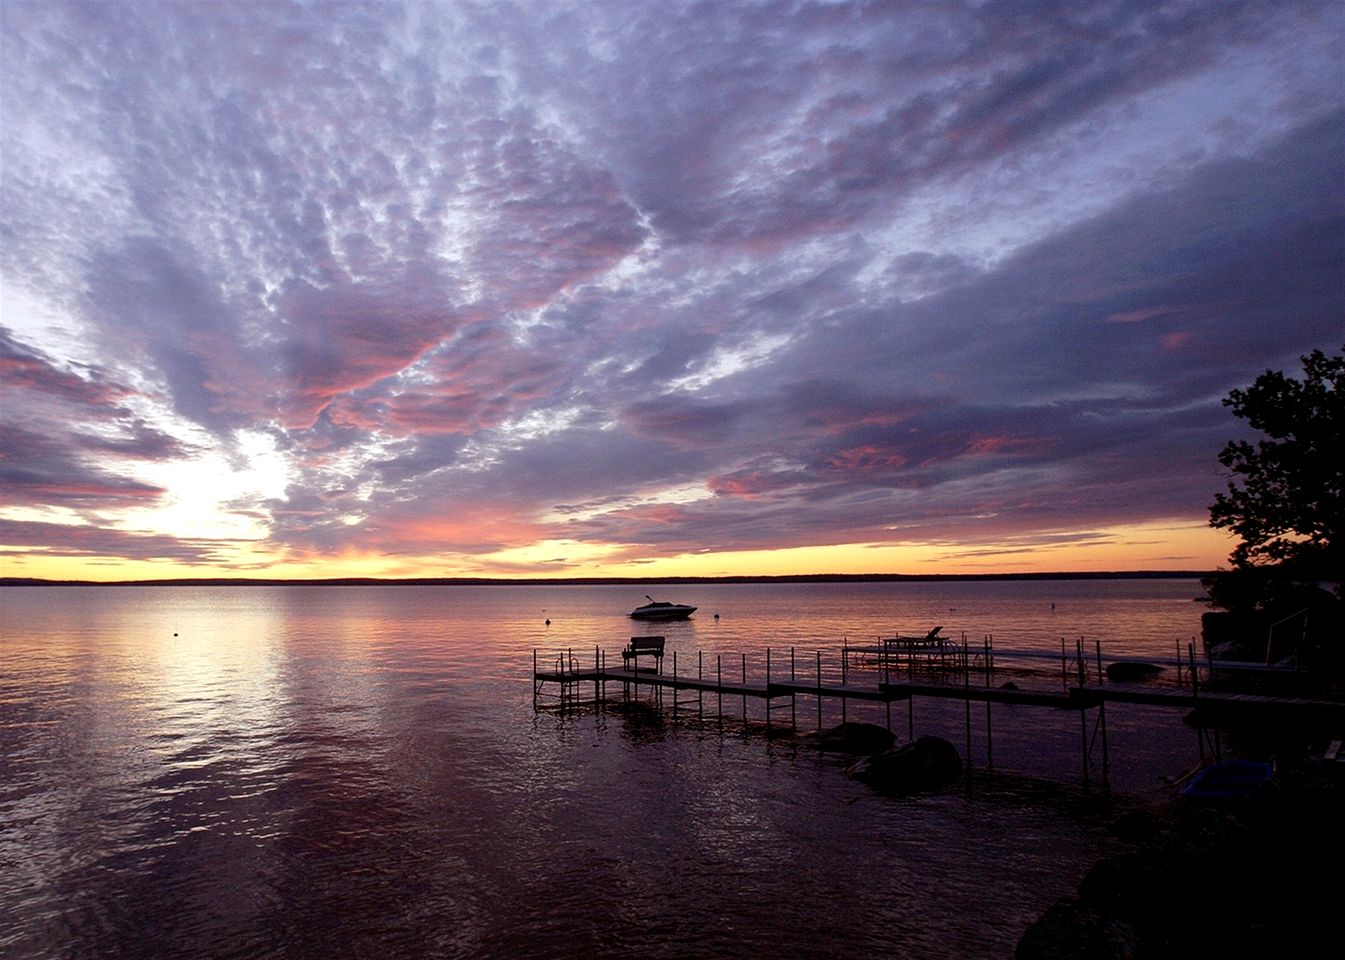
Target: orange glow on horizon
(1140,547)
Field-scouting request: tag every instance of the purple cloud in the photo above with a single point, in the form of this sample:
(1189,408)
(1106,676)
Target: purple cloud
(66,434)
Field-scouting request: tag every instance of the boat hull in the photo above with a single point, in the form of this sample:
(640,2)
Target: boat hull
(679,611)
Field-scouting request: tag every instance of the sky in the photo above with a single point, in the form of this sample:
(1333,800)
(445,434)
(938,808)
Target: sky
(622,288)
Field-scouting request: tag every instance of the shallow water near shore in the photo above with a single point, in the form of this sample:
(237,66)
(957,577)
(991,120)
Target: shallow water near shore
(348,771)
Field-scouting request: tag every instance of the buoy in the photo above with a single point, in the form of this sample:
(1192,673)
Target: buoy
(548,623)
(716,616)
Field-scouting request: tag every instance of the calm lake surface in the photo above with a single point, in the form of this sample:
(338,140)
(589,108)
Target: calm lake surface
(359,771)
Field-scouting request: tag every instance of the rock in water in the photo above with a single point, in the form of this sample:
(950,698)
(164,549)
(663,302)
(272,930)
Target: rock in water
(919,765)
(1128,671)
(852,738)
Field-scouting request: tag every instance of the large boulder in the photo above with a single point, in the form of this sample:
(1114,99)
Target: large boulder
(919,765)
(1071,930)
(852,737)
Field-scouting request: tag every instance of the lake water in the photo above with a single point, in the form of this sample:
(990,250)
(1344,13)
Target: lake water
(351,771)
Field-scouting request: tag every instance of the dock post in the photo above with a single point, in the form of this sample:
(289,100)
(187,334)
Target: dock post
(1064,674)
(534,678)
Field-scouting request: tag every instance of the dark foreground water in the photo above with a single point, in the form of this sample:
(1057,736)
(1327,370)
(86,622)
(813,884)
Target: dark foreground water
(352,772)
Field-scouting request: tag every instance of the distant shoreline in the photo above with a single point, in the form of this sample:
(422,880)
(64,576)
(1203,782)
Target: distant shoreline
(600,581)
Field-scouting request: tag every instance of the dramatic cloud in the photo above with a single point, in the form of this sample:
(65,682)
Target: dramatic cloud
(569,287)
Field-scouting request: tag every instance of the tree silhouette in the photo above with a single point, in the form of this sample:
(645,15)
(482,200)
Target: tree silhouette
(1286,495)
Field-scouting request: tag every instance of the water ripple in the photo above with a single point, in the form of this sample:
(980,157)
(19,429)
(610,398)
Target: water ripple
(311,772)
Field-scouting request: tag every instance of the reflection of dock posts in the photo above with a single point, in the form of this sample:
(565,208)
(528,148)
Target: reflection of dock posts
(1195,697)
(700,690)
(719,689)
(1064,674)
(989,668)
(887,698)
(793,697)
(966,691)
(744,694)
(1083,713)
(819,690)
(845,656)
(674,683)
(772,694)
(1203,736)
(1179,663)
(768,693)
(1102,719)
(910,699)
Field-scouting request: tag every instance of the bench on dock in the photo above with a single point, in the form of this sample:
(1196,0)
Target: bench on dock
(643,647)
(934,638)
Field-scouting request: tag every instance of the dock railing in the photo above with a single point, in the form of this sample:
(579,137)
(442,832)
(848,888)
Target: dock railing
(760,688)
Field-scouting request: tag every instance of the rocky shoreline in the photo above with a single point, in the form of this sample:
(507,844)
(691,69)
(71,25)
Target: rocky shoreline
(1254,877)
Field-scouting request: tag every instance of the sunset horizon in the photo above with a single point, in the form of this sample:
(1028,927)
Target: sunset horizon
(1101,553)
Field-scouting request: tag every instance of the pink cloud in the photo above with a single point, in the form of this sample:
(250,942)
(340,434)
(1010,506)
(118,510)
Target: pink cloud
(993,444)
(752,484)
(868,457)
(345,338)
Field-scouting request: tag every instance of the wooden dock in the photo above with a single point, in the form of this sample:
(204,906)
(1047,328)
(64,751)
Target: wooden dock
(890,672)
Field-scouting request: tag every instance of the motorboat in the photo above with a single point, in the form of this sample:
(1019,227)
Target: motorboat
(661,610)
